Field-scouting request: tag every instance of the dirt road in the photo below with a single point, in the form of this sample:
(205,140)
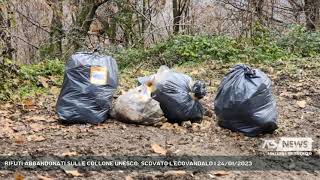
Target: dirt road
(31,128)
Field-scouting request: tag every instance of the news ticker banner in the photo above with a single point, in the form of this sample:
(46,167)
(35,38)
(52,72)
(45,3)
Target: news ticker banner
(193,163)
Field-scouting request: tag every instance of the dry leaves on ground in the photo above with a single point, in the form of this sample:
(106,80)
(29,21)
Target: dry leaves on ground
(73,153)
(221,173)
(40,177)
(37,127)
(35,138)
(175,173)
(44,81)
(302,104)
(18,176)
(73,172)
(128,178)
(158,149)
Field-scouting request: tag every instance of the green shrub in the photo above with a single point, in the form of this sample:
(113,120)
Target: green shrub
(263,47)
(45,68)
(301,43)
(182,49)
(128,57)
(26,80)
(8,73)
(31,77)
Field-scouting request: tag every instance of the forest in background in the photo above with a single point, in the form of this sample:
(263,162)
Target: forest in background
(38,36)
(32,31)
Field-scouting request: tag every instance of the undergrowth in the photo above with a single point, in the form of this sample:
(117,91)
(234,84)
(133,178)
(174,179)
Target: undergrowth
(262,48)
(22,81)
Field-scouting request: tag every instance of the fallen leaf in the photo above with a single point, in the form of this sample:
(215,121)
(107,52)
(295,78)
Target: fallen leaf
(44,81)
(270,70)
(35,138)
(302,104)
(18,176)
(28,104)
(174,173)
(18,139)
(54,90)
(286,94)
(206,124)
(36,127)
(128,178)
(167,126)
(158,149)
(35,118)
(196,126)
(7,130)
(6,106)
(73,172)
(44,178)
(221,173)
(4,112)
(69,153)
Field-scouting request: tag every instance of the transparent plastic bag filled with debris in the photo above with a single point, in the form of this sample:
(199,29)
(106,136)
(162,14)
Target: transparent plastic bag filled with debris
(245,102)
(177,94)
(138,107)
(90,80)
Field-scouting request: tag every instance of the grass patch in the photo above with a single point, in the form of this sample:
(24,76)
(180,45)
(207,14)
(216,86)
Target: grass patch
(24,81)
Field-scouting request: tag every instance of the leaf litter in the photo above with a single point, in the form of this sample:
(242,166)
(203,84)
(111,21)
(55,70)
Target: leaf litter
(296,97)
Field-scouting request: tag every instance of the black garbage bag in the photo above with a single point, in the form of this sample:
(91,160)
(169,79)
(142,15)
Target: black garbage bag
(90,81)
(177,94)
(245,103)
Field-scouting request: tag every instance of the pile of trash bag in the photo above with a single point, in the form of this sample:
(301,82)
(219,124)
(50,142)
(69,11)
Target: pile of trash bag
(177,94)
(138,107)
(244,102)
(90,80)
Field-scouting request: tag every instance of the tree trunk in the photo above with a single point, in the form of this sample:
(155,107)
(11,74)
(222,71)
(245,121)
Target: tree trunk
(311,9)
(259,11)
(85,16)
(176,16)
(8,50)
(56,30)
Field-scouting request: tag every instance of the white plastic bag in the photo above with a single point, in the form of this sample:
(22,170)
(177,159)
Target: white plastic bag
(137,106)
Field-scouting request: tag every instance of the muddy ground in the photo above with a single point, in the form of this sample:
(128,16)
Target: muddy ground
(30,128)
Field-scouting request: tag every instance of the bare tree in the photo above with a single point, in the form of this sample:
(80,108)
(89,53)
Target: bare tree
(311,9)
(56,30)
(178,8)
(5,37)
(85,16)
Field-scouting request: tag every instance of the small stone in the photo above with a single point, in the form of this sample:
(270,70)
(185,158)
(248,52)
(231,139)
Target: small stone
(123,127)
(186,124)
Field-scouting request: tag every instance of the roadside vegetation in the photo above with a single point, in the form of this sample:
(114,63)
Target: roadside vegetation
(264,48)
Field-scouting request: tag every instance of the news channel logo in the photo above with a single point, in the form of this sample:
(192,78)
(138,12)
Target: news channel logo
(286,146)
